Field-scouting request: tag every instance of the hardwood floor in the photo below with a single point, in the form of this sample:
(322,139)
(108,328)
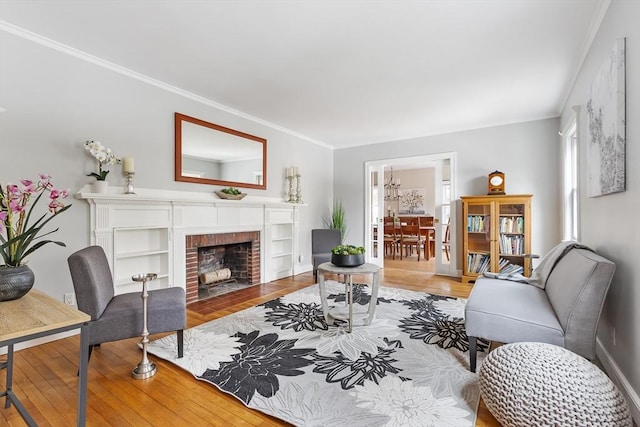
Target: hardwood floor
(45,376)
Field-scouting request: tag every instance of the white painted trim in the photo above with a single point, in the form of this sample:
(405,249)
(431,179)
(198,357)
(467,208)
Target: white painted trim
(302,268)
(60,47)
(594,26)
(421,160)
(616,375)
(156,195)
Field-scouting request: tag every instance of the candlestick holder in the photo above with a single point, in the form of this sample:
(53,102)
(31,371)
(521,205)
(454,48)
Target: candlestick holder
(299,188)
(145,369)
(129,183)
(291,196)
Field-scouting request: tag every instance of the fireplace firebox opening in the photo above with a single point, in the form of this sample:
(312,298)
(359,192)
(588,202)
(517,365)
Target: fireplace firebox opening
(221,263)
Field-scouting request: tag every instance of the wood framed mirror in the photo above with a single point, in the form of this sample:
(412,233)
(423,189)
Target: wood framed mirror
(207,153)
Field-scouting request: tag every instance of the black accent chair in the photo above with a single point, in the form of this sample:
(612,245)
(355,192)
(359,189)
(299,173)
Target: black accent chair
(322,241)
(118,317)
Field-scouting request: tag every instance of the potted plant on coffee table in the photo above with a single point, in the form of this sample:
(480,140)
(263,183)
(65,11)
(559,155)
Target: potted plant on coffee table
(347,255)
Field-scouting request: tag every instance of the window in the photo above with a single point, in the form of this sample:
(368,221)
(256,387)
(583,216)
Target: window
(570,183)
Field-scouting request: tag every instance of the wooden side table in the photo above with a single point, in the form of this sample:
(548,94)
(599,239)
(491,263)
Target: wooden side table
(347,312)
(37,315)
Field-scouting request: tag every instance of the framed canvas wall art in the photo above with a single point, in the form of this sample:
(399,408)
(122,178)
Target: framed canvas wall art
(606,119)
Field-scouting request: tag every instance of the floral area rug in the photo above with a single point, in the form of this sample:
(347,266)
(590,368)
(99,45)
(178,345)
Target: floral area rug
(408,368)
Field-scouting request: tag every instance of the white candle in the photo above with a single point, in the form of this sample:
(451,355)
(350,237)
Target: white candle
(297,171)
(289,172)
(128,165)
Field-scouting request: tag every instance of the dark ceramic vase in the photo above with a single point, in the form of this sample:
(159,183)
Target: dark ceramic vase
(347,260)
(15,282)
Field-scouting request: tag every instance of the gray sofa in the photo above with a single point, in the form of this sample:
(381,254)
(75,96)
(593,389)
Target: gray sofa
(561,305)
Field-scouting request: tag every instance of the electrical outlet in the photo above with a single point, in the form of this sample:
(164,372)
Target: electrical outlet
(68,298)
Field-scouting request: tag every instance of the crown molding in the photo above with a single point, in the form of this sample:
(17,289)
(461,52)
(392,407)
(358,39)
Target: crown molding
(594,26)
(60,47)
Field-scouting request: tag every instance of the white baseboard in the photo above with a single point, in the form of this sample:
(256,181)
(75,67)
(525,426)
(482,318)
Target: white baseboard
(302,268)
(616,375)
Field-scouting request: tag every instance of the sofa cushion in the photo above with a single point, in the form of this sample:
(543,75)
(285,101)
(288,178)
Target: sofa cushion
(512,311)
(540,275)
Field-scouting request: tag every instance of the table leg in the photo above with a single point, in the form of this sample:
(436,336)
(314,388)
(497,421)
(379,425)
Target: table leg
(10,395)
(375,284)
(82,375)
(350,299)
(9,363)
(323,297)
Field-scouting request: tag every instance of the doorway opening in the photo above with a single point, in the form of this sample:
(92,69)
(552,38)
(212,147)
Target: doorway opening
(422,189)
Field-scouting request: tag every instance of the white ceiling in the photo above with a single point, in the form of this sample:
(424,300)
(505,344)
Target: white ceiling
(340,73)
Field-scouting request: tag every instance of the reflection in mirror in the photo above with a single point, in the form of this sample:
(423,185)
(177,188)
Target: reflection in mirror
(210,154)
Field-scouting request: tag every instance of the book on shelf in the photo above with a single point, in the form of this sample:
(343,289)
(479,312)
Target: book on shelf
(478,263)
(478,223)
(505,267)
(511,245)
(514,225)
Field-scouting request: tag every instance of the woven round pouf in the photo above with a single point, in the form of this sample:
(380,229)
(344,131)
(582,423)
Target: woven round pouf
(536,384)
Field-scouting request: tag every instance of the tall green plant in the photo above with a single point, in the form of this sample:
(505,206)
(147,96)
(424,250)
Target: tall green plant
(337,219)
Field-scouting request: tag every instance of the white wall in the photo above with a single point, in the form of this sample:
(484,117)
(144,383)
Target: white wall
(609,224)
(54,102)
(423,178)
(526,152)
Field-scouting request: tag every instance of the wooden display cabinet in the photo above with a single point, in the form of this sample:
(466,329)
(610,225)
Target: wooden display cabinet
(496,235)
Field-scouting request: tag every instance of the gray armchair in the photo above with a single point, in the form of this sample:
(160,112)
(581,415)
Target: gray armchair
(322,241)
(562,305)
(117,317)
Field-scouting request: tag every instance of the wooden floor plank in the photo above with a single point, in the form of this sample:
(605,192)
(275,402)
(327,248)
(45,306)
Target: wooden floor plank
(47,375)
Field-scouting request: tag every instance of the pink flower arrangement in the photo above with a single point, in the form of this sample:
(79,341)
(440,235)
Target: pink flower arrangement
(18,237)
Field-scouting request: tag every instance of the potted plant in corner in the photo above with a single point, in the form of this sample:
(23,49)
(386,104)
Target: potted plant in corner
(105,157)
(347,255)
(337,219)
(19,237)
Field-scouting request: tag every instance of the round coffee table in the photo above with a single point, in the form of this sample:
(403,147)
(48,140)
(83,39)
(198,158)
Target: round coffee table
(347,312)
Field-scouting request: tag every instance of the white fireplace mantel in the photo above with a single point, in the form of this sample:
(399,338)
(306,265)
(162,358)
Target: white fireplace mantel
(147,231)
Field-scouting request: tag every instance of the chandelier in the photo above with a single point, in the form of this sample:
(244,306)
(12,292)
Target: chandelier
(391,188)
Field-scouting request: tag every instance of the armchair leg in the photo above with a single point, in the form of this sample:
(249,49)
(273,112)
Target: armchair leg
(472,353)
(180,339)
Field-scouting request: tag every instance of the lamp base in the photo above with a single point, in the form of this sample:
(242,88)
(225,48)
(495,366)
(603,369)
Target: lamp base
(144,371)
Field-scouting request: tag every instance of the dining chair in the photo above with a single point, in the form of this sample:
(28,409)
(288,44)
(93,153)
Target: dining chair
(427,231)
(390,239)
(446,242)
(410,237)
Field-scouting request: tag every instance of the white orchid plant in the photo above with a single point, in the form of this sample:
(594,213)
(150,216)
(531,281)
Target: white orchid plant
(104,156)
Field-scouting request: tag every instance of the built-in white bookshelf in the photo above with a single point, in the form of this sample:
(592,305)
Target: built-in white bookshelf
(145,232)
(140,250)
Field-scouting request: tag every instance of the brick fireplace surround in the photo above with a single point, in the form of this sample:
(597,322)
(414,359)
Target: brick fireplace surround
(193,242)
